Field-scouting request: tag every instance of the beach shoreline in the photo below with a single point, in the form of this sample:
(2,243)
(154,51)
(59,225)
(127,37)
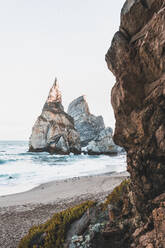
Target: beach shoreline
(59,189)
(19,212)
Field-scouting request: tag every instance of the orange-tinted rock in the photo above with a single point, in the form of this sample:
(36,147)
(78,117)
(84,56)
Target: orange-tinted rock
(54,129)
(138,99)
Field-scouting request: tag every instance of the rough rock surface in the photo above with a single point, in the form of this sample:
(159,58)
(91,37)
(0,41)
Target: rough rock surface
(103,143)
(54,129)
(95,138)
(88,125)
(137,59)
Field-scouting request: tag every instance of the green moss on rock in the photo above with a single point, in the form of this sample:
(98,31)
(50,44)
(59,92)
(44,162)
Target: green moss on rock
(116,196)
(52,233)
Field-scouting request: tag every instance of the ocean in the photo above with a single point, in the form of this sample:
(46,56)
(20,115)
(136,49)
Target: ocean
(21,170)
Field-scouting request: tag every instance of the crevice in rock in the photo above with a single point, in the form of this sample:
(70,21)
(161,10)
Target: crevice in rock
(138,102)
(125,34)
(145,4)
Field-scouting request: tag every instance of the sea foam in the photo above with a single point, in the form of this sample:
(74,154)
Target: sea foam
(21,170)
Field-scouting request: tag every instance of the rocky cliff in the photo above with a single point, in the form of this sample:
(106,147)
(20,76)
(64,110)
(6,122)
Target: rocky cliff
(54,130)
(133,216)
(88,125)
(137,59)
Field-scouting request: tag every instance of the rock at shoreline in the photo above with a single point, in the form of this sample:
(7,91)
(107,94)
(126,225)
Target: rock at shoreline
(54,130)
(133,216)
(137,59)
(95,138)
(103,144)
(88,125)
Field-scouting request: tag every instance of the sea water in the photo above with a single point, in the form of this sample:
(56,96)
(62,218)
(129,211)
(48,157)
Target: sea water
(21,170)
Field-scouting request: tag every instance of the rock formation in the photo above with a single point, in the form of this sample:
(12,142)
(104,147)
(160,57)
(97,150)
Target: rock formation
(88,125)
(135,210)
(137,59)
(54,130)
(93,135)
(103,144)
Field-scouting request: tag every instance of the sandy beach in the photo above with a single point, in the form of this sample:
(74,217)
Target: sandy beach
(19,212)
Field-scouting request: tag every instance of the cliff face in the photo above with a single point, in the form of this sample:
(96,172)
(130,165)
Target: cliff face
(54,129)
(137,59)
(133,215)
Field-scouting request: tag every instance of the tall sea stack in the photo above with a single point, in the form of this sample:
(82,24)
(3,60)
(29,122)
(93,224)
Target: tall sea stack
(95,138)
(137,59)
(88,125)
(54,130)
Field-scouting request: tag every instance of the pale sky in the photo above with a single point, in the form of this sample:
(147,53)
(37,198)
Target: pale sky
(44,39)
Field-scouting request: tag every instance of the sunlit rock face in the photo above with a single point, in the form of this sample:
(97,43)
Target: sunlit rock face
(137,59)
(54,129)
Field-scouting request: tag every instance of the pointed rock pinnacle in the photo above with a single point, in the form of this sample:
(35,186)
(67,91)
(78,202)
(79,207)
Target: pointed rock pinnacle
(54,93)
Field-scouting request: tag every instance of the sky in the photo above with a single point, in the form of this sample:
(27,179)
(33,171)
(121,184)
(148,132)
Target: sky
(44,39)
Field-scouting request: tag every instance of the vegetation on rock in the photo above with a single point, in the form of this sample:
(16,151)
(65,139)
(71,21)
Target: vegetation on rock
(116,196)
(52,233)
(137,60)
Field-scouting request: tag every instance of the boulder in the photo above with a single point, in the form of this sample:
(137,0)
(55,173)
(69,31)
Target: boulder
(103,144)
(54,129)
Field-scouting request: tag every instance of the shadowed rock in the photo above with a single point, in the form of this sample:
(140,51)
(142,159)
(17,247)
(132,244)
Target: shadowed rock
(103,144)
(54,129)
(137,59)
(93,135)
(88,125)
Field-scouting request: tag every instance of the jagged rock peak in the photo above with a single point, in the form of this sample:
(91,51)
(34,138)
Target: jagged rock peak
(95,138)
(54,93)
(80,105)
(86,124)
(54,129)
